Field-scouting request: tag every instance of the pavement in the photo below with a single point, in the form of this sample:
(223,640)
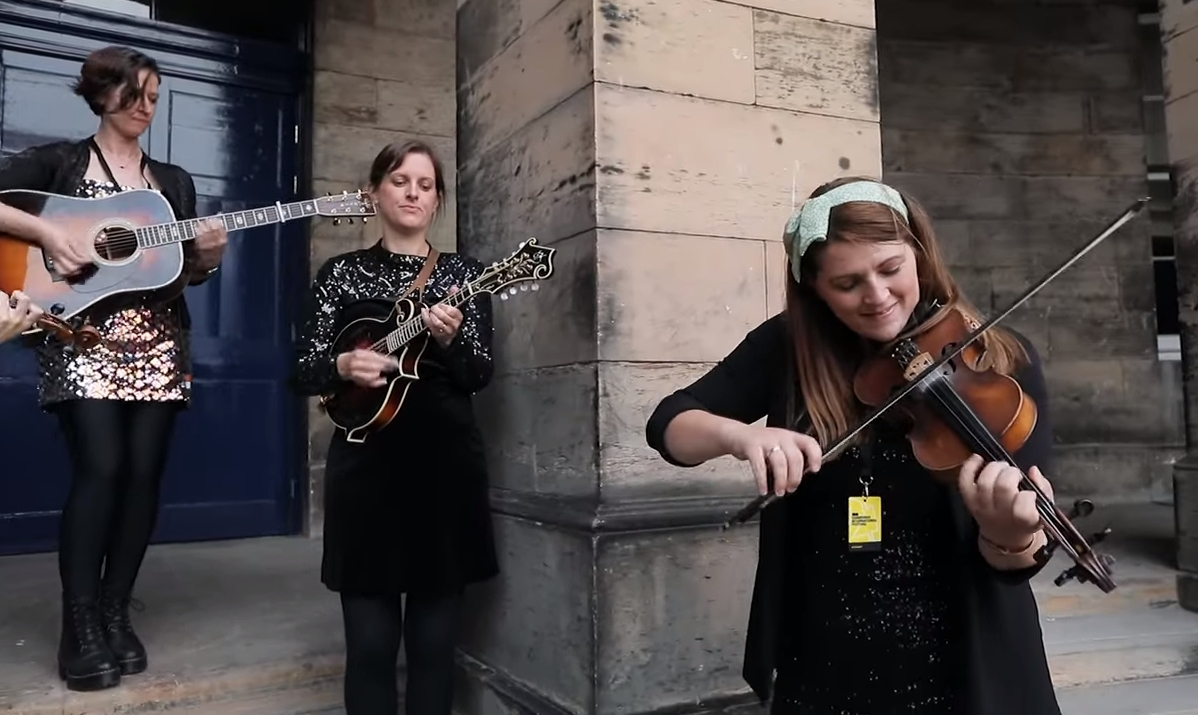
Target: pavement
(245,628)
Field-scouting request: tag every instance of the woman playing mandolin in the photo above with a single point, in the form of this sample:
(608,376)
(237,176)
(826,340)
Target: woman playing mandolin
(407,520)
(927,609)
(116,402)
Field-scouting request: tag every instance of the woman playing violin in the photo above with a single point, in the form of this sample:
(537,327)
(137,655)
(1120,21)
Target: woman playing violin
(17,315)
(928,609)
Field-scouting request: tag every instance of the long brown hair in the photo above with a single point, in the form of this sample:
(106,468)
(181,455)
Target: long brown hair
(825,351)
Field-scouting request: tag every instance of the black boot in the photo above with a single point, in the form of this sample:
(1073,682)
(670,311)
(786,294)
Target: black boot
(126,647)
(84,659)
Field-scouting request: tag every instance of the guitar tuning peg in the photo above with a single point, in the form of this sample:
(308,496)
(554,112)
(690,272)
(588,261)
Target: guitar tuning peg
(503,295)
(365,219)
(523,287)
(535,286)
(349,220)
(336,222)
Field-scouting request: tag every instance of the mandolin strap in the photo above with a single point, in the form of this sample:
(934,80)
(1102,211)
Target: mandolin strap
(417,287)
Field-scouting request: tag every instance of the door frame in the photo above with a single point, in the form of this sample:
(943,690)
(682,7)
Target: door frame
(36,26)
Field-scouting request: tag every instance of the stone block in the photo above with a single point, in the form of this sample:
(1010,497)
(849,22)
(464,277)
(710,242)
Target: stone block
(776,268)
(958,152)
(1124,335)
(417,109)
(844,12)
(344,153)
(930,108)
(1181,65)
(1105,472)
(961,197)
(541,182)
(1182,129)
(1091,290)
(1117,113)
(1094,26)
(688,589)
(340,98)
(360,49)
(1005,67)
(1127,394)
(556,325)
(486,27)
(542,68)
(1177,17)
(1039,246)
(675,298)
(628,394)
(510,625)
(1052,198)
(661,170)
(426,18)
(540,427)
(702,48)
(813,66)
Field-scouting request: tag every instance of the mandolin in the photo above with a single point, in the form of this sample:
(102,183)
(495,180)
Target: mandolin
(137,244)
(362,411)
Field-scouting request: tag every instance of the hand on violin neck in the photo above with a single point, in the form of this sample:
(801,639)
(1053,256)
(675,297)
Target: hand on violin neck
(1007,516)
(783,454)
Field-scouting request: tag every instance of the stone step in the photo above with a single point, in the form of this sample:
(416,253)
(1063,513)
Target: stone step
(1117,647)
(1177,695)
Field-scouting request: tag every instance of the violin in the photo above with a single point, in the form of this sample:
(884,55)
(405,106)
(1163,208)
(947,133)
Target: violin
(83,337)
(935,376)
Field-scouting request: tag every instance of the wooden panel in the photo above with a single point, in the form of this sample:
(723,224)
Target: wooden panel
(698,47)
(695,166)
(814,66)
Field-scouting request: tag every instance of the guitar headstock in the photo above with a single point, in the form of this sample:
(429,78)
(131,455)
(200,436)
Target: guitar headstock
(528,264)
(345,205)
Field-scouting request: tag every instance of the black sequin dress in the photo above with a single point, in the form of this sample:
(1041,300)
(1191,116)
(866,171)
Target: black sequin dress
(408,509)
(881,631)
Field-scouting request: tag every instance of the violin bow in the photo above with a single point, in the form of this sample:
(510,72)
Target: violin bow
(843,442)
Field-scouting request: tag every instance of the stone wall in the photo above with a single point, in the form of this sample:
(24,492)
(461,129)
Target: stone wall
(1019,126)
(658,148)
(384,71)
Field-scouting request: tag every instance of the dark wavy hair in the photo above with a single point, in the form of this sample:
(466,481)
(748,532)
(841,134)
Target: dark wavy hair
(108,69)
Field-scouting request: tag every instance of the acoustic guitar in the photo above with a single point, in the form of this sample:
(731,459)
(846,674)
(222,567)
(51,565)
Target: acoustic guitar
(136,242)
(362,411)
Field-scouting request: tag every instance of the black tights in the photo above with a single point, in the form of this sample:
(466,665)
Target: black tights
(374,627)
(118,452)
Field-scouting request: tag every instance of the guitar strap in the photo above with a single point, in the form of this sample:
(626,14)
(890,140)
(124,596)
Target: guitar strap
(430,262)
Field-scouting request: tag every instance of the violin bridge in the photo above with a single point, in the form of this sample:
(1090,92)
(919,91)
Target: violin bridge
(913,369)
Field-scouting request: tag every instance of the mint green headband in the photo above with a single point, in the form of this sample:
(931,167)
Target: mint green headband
(810,223)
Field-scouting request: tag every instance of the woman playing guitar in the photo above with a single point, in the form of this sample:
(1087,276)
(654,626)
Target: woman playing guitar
(116,402)
(924,605)
(406,511)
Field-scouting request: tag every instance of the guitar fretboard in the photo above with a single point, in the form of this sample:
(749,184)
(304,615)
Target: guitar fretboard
(163,234)
(414,326)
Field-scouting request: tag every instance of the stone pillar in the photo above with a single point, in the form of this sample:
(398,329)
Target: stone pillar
(1179,20)
(659,146)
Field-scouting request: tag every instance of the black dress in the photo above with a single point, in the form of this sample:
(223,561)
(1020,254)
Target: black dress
(408,509)
(924,625)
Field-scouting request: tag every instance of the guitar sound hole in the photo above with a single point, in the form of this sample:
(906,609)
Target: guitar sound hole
(116,243)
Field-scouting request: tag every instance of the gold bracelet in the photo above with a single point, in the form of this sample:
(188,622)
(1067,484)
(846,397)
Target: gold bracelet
(1007,552)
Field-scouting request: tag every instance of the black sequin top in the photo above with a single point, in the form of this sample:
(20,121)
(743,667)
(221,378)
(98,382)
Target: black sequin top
(409,508)
(923,625)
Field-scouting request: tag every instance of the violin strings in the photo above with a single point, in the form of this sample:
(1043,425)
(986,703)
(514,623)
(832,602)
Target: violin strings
(953,404)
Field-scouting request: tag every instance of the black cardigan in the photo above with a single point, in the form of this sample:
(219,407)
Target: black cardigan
(1007,670)
(58,167)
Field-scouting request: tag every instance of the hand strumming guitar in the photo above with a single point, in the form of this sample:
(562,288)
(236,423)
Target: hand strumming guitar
(69,254)
(365,367)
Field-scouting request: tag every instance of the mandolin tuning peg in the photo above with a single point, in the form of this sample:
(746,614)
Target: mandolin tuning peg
(365,219)
(536,286)
(503,295)
(523,287)
(349,220)
(336,222)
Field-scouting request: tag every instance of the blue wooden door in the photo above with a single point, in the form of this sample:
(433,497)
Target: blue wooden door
(231,121)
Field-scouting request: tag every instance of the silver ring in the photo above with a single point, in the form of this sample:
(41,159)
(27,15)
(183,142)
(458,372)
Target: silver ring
(775,449)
